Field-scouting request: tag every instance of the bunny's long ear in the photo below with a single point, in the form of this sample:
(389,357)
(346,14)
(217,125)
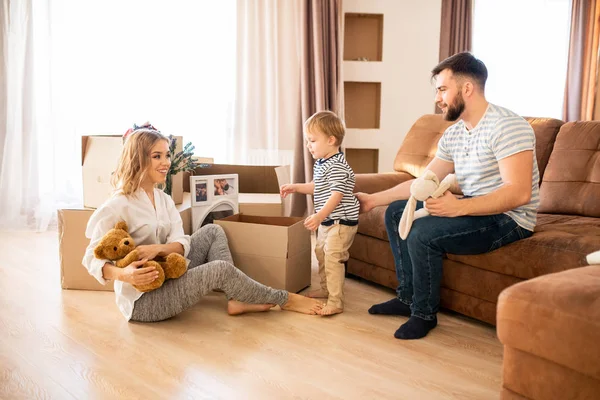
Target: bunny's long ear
(407,218)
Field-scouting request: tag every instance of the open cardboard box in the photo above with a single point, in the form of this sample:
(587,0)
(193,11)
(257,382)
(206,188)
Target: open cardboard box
(258,187)
(72,245)
(274,251)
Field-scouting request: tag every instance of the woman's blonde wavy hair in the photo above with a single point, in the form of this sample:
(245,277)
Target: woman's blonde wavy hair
(135,159)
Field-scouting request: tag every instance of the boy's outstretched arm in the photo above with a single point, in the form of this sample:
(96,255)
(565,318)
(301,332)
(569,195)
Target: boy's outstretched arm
(313,222)
(302,188)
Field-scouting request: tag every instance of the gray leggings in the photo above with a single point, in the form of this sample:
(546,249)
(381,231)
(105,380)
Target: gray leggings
(211,268)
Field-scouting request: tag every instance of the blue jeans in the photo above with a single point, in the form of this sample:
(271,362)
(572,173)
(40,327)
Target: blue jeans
(418,259)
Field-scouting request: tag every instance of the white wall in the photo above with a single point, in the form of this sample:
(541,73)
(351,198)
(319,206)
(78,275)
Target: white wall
(411,35)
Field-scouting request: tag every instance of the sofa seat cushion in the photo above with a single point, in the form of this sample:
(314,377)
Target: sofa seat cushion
(373,223)
(560,242)
(555,317)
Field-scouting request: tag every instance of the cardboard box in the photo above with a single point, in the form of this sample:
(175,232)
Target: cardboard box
(99,159)
(253,178)
(274,251)
(261,204)
(258,196)
(72,245)
(185,211)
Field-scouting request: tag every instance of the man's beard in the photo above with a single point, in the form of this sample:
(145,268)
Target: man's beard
(455,110)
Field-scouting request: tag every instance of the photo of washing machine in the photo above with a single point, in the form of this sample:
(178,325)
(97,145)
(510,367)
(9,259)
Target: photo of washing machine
(213,197)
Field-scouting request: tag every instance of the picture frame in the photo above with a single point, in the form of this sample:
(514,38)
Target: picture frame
(213,197)
(225,185)
(199,190)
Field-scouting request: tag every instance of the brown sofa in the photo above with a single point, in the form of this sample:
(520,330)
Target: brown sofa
(568,226)
(549,327)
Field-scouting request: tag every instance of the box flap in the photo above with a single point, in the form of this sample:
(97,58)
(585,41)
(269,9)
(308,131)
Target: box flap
(84,143)
(284,177)
(100,160)
(263,220)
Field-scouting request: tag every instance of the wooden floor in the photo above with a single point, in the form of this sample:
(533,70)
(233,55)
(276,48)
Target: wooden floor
(75,344)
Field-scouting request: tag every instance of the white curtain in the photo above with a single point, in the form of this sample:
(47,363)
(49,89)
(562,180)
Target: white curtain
(39,169)
(72,68)
(267,102)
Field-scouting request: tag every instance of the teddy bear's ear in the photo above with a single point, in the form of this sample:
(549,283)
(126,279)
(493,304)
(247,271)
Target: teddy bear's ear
(98,252)
(122,225)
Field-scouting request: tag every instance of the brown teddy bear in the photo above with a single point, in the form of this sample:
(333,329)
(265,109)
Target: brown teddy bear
(117,245)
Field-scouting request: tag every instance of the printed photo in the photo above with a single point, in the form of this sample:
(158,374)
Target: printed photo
(225,186)
(201,191)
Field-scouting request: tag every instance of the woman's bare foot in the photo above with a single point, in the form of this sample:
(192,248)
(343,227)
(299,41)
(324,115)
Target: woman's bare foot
(237,307)
(330,310)
(317,294)
(302,304)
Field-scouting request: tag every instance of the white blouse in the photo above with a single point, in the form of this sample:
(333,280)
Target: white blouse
(146,225)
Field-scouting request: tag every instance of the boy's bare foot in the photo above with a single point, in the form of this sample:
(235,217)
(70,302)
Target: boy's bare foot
(330,310)
(237,307)
(317,294)
(302,304)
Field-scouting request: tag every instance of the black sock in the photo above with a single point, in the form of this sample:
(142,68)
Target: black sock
(415,328)
(391,307)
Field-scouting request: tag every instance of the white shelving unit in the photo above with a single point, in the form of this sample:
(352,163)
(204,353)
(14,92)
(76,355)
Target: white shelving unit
(400,40)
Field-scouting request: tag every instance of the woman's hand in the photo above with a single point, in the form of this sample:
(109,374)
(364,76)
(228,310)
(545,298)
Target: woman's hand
(149,251)
(134,275)
(284,190)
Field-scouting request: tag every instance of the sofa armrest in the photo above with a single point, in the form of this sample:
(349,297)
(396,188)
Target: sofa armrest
(373,183)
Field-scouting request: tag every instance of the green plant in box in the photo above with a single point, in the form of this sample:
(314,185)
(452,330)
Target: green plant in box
(180,162)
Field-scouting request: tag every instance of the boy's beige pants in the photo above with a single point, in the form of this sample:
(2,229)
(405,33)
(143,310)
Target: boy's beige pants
(331,250)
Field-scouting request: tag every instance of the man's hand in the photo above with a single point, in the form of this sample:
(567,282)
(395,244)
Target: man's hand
(284,190)
(148,252)
(365,200)
(312,223)
(446,205)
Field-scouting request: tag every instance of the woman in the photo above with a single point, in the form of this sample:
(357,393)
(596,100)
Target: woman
(157,229)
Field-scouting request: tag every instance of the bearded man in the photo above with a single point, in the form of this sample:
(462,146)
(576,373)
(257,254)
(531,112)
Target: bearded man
(492,152)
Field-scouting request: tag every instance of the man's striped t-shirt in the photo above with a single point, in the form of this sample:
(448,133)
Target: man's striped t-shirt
(333,174)
(475,154)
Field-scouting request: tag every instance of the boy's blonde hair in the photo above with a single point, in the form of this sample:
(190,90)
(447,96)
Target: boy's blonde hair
(328,123)
(135,159)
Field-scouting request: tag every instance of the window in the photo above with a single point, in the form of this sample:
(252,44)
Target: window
(524,45)
(170,62)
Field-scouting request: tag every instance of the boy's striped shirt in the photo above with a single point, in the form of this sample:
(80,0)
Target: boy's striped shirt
(333,174)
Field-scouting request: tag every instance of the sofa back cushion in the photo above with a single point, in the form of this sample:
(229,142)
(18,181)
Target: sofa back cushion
(571,184)
(545,130)
(420,144)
